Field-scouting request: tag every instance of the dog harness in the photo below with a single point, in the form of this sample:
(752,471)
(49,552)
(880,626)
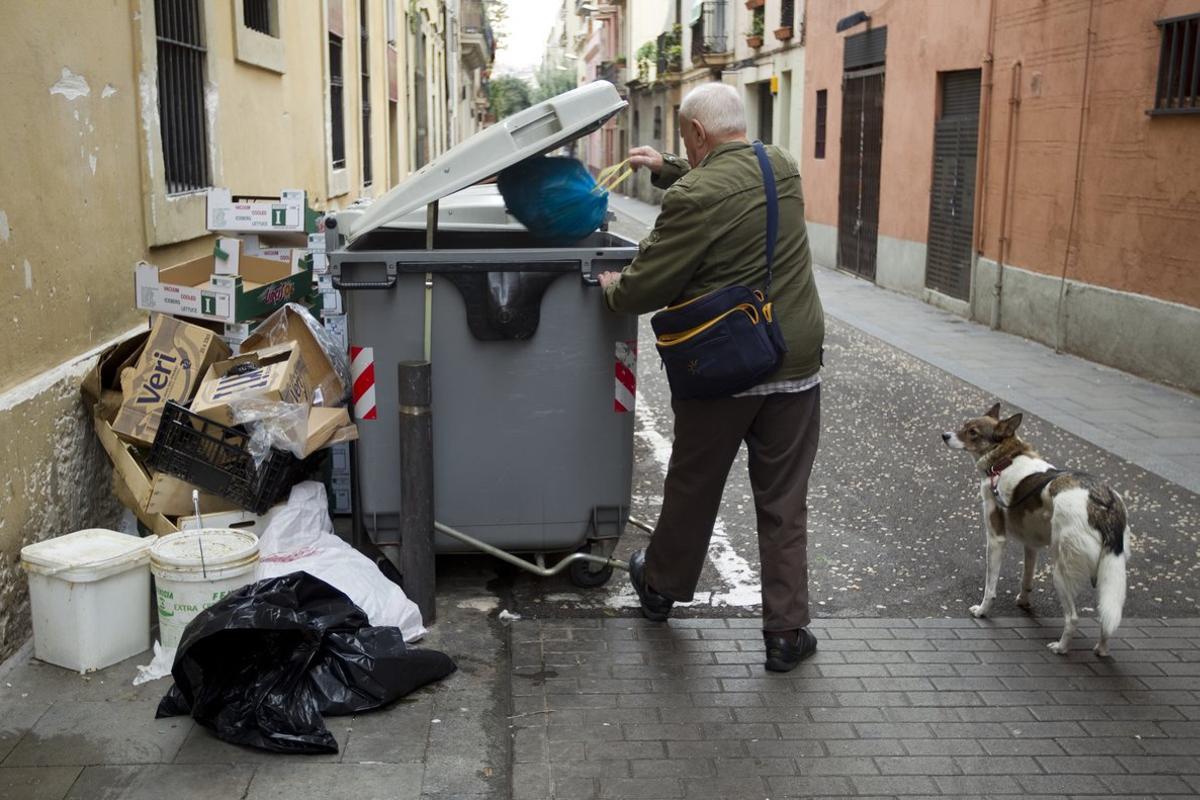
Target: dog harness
(1044,479)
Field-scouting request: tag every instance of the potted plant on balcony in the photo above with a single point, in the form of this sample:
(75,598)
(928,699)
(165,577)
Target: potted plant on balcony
(753,4)
(755,37)
(783,34)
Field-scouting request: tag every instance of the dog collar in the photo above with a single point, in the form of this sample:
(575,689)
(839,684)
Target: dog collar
(994,471)
(998,467)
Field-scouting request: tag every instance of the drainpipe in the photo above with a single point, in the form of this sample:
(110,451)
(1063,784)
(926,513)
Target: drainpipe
(985,132)
(1014,110)
(1083,112)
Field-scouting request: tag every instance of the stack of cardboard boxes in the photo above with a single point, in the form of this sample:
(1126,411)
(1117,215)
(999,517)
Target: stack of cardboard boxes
(228,331)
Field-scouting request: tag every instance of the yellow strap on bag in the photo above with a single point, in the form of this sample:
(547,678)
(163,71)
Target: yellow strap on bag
(669,339)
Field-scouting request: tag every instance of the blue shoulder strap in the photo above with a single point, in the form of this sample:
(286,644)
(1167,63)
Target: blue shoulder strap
(772,209)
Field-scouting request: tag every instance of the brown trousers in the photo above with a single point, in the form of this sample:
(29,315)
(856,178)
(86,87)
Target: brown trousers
(781,432)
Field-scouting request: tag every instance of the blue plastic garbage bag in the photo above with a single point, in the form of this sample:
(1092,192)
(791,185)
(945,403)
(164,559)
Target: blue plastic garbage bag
(554,197)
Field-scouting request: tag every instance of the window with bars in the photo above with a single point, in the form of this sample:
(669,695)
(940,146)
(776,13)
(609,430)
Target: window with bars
(259,15)
(787,13)
(1178,89)
(822,109)
(364,60)
(337,119)
(179,30)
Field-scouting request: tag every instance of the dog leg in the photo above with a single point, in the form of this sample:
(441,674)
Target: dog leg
(995,554)
(1023,599)
(1065,586)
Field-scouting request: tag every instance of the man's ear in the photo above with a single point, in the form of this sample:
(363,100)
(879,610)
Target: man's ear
(1007,427)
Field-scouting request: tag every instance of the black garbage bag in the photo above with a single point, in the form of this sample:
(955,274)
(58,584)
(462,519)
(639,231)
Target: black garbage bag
(262,666)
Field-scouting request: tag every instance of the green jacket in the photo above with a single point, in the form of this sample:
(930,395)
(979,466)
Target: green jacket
(711,234)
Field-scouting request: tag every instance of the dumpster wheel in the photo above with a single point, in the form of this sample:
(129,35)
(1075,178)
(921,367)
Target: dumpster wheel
(583,574)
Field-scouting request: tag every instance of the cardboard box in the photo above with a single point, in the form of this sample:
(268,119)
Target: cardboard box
(238,520)
(194,289)
(325,385)
(277,374)
(148,492)
(338,329)
(155,523)
(175,358)
(101,386)
(287,213)
(228,252)
(327,427)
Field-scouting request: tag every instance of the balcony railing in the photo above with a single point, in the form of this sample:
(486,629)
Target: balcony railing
(670,54)
(473,18)
(710,34)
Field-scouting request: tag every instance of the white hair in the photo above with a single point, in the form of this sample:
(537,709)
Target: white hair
(716,106)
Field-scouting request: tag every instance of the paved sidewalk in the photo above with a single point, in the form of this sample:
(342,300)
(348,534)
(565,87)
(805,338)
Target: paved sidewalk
(94,737)
(608,708)
(1153,426)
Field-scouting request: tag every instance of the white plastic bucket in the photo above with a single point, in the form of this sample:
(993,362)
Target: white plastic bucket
(194,569)
(88,593)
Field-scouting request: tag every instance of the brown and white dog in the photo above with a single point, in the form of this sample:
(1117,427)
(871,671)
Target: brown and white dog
(1080,519)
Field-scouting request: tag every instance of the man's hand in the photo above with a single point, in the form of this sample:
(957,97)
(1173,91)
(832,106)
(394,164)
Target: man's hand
(646,157)
(608,278)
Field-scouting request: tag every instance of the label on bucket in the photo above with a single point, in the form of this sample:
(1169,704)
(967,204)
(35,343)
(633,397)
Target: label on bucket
(177,609)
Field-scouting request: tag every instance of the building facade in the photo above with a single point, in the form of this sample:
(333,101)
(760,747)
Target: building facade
(768,69)
(127,113)
(1030,165)
(654,75)
(672,46)
(600,51)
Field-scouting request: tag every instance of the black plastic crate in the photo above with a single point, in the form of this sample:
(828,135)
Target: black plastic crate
(214,457)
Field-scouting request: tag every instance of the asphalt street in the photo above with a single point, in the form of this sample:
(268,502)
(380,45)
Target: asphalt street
(894,521)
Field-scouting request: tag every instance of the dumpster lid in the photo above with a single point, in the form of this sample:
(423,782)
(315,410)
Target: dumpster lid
(538,129)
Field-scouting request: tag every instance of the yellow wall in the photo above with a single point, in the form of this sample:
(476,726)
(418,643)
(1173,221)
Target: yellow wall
(82,199)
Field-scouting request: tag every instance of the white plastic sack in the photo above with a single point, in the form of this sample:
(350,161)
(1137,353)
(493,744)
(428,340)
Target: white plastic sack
(299,536)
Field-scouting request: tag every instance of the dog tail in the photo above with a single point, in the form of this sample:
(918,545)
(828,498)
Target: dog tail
(1110,590)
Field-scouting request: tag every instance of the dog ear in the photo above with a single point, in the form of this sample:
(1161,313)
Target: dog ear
(1007,427)
(993,412)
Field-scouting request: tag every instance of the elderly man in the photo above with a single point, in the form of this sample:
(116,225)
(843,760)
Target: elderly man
(711,234)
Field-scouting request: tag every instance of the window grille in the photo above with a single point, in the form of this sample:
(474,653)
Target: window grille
(787,13)
(179,29)
(256,15)
(365,61)
(822,110)
(1178,89)
(337,121)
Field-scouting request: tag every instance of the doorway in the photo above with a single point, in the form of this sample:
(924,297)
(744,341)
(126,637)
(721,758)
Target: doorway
(952,192)
(858,191)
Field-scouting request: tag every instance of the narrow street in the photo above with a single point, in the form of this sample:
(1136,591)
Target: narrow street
(894,520)
(908,695)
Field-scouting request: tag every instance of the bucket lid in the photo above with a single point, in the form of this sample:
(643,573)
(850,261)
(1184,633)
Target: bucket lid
(86,555)
(222,547)
(538,129)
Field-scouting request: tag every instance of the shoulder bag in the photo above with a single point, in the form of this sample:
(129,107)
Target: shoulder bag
(726,341)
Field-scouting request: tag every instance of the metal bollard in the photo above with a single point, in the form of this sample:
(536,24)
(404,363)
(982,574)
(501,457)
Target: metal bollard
(416,487)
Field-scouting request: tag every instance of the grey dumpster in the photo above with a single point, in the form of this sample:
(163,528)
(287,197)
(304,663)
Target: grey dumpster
(533,429)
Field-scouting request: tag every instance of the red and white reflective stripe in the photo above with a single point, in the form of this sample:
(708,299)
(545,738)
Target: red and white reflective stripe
(362,373)
(626,376)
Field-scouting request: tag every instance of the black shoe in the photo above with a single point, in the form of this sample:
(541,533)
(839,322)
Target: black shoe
(784,655)
(654,606)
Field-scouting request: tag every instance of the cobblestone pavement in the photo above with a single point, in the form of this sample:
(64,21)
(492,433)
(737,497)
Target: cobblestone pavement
(887,708)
